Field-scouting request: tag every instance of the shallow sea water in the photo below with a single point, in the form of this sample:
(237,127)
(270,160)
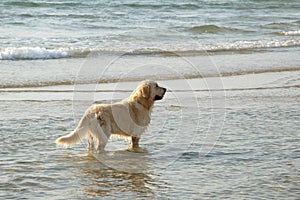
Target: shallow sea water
(228,126)
(256,154)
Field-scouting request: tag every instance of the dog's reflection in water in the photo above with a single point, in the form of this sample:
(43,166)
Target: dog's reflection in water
(114,178)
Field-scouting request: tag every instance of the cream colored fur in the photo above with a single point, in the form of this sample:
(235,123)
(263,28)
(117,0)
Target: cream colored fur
(129,119)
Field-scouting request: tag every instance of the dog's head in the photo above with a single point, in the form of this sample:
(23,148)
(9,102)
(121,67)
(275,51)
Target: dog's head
(151,90)
(148,92)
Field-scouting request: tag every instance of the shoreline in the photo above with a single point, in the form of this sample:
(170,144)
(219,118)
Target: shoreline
(262,81)
(106,69)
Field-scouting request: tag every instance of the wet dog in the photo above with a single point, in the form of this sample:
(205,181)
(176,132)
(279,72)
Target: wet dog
(129,119)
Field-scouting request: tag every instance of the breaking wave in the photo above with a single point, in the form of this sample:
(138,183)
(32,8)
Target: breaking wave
(289,33)
(23,53)
(32,53)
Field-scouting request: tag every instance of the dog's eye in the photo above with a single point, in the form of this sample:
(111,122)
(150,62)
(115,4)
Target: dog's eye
(156,85)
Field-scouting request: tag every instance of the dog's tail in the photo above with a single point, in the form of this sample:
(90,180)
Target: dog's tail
(75,136)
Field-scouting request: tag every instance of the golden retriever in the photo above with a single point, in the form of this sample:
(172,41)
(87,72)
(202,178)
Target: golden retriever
(128,119)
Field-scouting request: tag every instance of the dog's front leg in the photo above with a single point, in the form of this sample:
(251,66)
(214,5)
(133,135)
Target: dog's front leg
(134,146)
(134,143)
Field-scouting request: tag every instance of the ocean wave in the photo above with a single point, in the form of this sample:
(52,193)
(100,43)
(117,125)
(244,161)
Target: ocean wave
(183,6)
(255,44)
(289,33)
(278,25)
(32,53)
(23,53)
(212,29)
(40,4)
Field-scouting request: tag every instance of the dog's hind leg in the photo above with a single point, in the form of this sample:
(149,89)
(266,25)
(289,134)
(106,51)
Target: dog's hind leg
(90,142)
(98,134)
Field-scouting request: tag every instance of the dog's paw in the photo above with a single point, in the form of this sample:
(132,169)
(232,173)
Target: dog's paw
(137,150)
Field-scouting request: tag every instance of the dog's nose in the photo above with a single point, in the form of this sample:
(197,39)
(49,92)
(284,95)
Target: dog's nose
(164,90)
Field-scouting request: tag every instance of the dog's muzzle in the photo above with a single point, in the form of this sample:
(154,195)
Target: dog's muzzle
(157,97)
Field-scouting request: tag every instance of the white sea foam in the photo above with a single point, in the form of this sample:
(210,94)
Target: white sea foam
(255,44)
(15,53)
(23,53)
(290,33)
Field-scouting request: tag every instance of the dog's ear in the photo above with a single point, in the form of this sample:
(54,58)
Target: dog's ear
(145,91)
